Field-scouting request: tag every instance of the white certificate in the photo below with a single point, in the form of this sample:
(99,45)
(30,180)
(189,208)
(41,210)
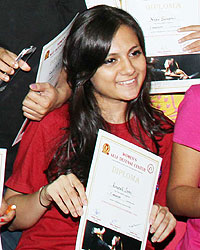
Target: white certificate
(120,191)
(51,58)
(160,20)
(2,173)
(49,67)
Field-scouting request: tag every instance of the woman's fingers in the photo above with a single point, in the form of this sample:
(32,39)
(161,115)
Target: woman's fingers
(194,46)
(68,193)
(162,223)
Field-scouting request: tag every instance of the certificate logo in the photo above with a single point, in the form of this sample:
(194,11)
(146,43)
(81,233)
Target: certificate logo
(150,168)
(106,148)
(47,55)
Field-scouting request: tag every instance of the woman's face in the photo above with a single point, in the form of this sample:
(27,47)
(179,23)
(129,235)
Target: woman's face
(121,76)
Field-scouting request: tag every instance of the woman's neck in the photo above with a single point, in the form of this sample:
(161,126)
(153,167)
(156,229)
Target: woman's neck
(113,112)
(115,119)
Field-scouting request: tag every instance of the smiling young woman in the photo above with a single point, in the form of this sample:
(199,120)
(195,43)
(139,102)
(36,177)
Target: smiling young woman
(106,67)
(121,76)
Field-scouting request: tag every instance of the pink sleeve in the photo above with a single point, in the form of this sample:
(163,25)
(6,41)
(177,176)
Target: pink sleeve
(187,126)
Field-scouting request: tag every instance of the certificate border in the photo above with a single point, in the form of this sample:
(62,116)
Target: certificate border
(102,136)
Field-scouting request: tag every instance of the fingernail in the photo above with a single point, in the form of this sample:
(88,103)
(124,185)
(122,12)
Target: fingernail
(2,220)
(187,50)
(33,86)
(75,214)
(25,66)
(6,78)
(153,239)
(16,65)
(150,221)
(80,212)
(152,230)
(85,202)
(10,208)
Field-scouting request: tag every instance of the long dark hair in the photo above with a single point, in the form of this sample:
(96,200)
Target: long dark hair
(86,49)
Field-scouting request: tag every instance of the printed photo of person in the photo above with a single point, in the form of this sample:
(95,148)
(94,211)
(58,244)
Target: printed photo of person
(98,237)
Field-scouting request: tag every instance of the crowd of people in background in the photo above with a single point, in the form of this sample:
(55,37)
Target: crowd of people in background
(46,173)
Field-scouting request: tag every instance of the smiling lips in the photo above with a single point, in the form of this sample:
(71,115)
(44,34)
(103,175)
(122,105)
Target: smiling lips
(127,82)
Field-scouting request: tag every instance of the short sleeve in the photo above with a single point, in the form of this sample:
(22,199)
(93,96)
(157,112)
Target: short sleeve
(39,143)
(187,126)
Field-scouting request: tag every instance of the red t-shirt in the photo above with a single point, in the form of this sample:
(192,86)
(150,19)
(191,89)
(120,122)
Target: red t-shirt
(40,141)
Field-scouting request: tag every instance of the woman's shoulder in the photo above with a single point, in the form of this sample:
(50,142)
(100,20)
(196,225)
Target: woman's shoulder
(192,94)
(51,126)
(190,104)
(58,117)
(194,89)
(187,123)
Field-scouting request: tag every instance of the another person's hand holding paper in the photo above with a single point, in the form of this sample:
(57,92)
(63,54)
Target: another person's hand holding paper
(194,46)
(7,213)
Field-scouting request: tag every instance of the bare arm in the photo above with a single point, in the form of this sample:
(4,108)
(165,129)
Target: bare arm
(28,209)
(183,194)
(194,46)
(67,192)
(43,98)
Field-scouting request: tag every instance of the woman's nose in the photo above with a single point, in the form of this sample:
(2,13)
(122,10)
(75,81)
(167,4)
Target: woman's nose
(127,67)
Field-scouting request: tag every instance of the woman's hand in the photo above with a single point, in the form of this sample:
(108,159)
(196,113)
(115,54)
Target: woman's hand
(195,34)
(7,213)
(8,64)
(67,192)
(162,223)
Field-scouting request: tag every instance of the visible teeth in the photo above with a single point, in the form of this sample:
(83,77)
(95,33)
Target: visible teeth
(127,82)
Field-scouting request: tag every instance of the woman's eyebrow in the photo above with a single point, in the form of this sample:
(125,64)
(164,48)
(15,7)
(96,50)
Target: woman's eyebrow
(132,48)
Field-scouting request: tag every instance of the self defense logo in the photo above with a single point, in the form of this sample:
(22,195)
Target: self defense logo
(106,148)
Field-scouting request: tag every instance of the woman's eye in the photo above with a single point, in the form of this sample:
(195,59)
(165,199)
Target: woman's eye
(109,60)
(136,53)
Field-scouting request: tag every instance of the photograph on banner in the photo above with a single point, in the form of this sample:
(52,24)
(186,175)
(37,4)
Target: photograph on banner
(167,70)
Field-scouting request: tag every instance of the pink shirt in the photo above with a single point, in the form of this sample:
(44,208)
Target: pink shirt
(187,132)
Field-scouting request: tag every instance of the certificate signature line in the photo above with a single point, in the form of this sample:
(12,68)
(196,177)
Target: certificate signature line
(108,203)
